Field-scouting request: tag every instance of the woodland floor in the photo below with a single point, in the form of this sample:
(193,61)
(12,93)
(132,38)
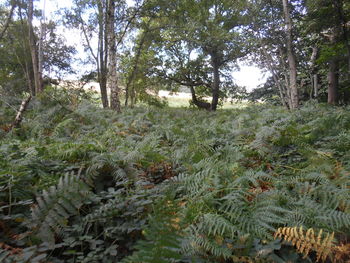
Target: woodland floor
(83,184)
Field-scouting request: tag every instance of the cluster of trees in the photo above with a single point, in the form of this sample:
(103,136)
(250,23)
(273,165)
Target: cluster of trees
(29,54)
(304,45)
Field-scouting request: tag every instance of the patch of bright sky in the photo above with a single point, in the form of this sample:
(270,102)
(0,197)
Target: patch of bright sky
(248,76)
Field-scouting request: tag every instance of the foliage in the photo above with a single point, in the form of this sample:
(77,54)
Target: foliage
(84,184)
(189,43)
(15,60)
(304,242)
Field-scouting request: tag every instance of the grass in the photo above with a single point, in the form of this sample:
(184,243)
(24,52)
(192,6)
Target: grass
(185,103)
(178,102)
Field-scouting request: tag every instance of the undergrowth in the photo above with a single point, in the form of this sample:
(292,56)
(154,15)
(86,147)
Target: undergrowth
(83,184)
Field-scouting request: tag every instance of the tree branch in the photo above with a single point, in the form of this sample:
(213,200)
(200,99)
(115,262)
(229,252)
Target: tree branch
(20,112)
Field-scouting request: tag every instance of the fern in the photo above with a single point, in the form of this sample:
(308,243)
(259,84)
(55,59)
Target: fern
(55,206)
(163,239)
(239,176)
(305,242)
(6,256)
(31,254)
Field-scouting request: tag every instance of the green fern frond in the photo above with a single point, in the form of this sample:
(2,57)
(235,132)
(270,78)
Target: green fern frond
(55,206)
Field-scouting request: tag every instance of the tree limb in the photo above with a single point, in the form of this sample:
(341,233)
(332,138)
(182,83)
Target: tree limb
(20,112)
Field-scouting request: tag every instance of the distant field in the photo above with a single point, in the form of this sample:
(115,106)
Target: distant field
(179,99)
(178,102)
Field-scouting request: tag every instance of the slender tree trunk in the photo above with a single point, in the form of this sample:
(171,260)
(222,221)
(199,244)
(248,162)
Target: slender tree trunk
(103,89)
(33,49)
(105,60)
(285,73)
(313,73)
(132,96)
(333,80)
(103,77)
(127,95)
(294,97)
(41,51)
(315,85)
(8,20)
(101,63)
(112,58)
(333,73)
(270,66)
(20,112)
(135,67)
(29,77)
(216,82)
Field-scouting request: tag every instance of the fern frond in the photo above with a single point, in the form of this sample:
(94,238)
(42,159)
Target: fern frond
(306,241)
(6,256)
(218,225)
(336,219)
(56,205)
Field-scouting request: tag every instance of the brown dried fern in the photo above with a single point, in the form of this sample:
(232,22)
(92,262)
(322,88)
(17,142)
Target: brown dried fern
(341,253)
(305,242)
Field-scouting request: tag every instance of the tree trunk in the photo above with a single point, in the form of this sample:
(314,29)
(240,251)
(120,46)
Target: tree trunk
(132,96)
(315,85)
(313,73)
(8,20)
(126,102)
(333,73)
(216,82)
(41,52)
(199,103)
(101,63)
(20,112)
(103,89)
(33,49)
(270,66)
(29,77)
(112,53)
(333,80)
(135,67)
(294,97)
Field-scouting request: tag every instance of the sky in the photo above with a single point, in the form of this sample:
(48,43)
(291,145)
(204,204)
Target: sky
(248,76)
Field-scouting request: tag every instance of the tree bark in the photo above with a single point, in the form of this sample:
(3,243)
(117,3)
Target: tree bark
(112,57)
(29,78)
(199,103)
(333,73)
(33,50)
(333,80)
(41,51)
(315,85)
(216,82)
(20,112)
(313,73)
(101,63)
(293,88)
(132,96)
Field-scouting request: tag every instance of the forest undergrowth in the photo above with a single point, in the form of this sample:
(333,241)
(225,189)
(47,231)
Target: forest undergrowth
(260,184)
